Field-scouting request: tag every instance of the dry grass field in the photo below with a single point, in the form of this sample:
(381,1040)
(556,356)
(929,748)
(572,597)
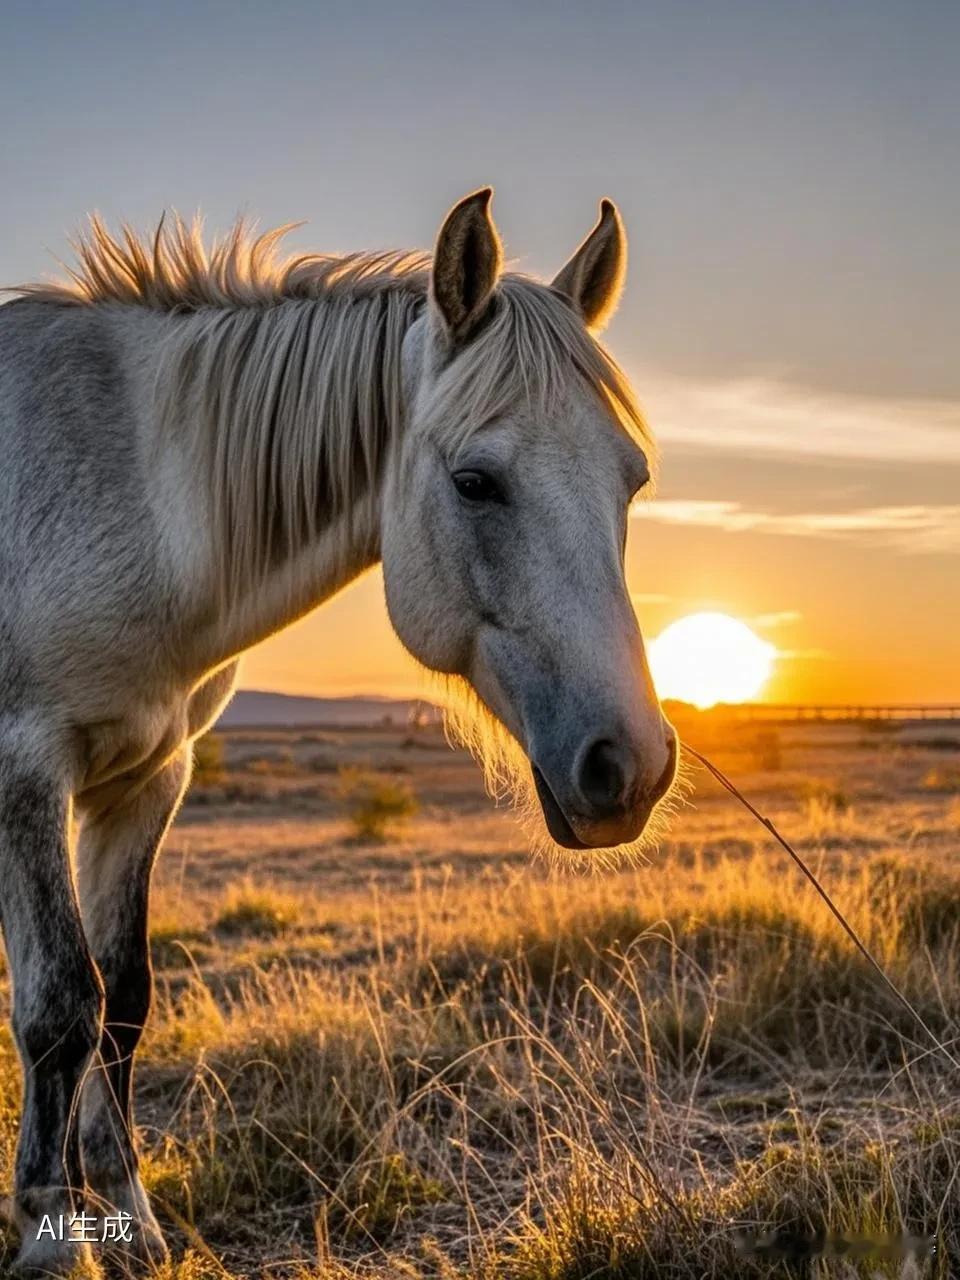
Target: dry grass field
(386,1044)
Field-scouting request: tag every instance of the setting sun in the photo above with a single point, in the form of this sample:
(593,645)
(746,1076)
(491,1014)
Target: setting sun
(708,658)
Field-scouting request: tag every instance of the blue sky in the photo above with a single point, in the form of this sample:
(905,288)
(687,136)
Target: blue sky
(789,174)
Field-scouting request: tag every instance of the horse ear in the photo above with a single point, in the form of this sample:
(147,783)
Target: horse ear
(466,265)
(593,278)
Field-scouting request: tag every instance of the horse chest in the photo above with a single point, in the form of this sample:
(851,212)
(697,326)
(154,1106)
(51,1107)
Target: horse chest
(125,752)
(129,750)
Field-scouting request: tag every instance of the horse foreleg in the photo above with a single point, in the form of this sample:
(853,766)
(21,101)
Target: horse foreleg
(57,1005)
(115,858)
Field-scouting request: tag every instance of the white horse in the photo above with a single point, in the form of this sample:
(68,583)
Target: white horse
(196,450)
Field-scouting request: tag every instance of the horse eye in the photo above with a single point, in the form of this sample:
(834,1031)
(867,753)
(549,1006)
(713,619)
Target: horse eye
(476,486)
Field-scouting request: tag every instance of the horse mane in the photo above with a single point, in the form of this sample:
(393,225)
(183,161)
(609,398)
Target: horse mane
(285,374)
(173,270)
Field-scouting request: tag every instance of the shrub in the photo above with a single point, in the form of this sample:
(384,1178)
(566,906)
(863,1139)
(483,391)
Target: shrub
(766,751)
(941,779)
(259,912)
(281,764)
(828,797)
(385,1190)
(373,802)
(209,767)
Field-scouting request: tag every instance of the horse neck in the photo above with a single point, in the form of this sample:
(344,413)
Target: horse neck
(346,548)
(212,475)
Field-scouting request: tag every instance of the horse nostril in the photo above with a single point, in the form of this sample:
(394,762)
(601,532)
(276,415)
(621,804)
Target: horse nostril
(665,781)
(606,775)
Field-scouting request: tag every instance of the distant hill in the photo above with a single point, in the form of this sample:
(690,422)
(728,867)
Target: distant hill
(255,709)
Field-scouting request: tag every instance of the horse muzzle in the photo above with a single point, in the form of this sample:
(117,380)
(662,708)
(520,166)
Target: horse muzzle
(611,795)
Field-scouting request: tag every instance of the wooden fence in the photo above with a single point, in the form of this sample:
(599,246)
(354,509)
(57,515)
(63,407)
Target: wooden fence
(840,711)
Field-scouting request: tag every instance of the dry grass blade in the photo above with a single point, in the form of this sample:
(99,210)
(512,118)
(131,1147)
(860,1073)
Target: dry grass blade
(424,1059)
(851,933)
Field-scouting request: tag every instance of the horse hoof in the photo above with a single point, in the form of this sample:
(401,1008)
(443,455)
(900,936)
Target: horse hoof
(145,1252)
(130,1241)
(63,1259)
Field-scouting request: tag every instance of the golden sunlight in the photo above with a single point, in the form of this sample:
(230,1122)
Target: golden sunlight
(708,658)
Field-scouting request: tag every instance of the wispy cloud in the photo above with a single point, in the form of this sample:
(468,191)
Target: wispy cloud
(919,528)
(783,618)
(767,416)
